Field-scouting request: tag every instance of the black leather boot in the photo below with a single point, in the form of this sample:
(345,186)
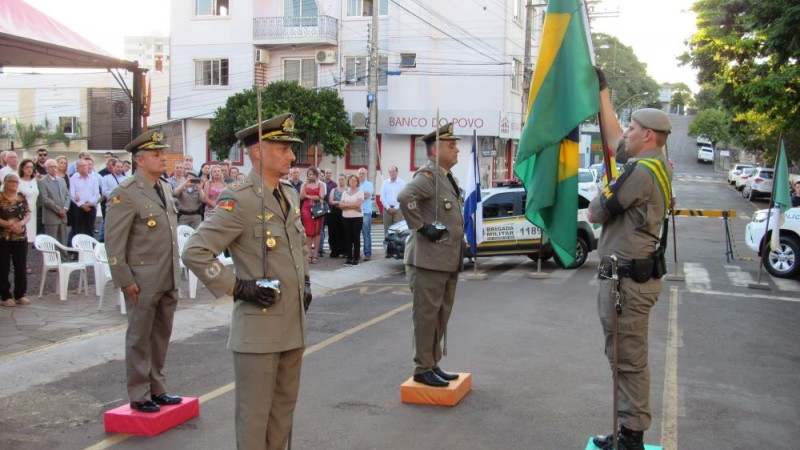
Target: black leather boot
(626,440)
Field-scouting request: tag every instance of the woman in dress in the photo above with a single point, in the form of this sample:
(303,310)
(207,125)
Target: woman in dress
(352,216)
(311,192)
(213,188)
(14,217)
(29,187)
(335,238)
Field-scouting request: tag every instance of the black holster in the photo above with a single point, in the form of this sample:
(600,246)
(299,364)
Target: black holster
(641,270)
(659,263)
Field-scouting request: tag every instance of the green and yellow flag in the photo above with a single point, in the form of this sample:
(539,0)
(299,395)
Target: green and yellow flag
(564,93)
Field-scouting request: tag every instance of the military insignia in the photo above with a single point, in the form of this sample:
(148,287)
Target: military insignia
(271,242)
(297,211)
(266,216)
(412,205)
(288,125)
(448,205)
(114,200)
(213,270)
(156,136)
(226,204)
(151,223)
(112,260)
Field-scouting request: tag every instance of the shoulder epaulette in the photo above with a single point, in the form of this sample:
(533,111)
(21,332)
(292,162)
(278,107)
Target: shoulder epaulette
(287,182)
(240,184)
(127,182)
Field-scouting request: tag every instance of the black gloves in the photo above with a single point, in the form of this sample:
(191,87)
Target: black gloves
(431,232)
(306,293)
(249,291)
(601,77)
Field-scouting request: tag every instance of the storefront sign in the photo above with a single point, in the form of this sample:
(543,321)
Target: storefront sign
(510,125)
(424,121)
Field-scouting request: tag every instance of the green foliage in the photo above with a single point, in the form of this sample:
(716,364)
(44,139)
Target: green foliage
(627,76)
(29,134)
(746,52)
(44,133)
(320,116)
(714,123)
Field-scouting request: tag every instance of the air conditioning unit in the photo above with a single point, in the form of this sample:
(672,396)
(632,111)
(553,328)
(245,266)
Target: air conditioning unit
(262,56)
(326,57)
(359,121)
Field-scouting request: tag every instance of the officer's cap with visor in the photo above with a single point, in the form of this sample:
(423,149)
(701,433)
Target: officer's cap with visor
(277,129)
(653,119)
(445,134)
(149,140)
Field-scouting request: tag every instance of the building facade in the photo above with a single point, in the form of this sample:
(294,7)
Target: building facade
(460,60)
(152,52)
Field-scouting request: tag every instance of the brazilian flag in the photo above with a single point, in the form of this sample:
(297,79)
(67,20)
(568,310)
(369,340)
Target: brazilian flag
(564,93)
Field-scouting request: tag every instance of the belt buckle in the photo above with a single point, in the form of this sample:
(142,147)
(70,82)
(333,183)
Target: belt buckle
(604,271)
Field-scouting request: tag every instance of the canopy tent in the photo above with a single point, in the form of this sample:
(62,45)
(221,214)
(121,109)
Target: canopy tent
(30,38)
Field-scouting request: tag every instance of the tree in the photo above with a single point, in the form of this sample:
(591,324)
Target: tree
(747,52)
(713,123)
(627,76)
(681,97)
(320,116)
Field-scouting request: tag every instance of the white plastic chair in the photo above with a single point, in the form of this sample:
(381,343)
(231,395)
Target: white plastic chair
(86,245)
(104,276)
(51,256)
(185,230)
(182,238)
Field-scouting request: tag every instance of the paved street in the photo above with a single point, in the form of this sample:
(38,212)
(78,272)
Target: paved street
(723,357)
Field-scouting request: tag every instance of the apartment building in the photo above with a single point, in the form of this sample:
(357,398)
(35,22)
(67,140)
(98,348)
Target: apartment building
(460,60)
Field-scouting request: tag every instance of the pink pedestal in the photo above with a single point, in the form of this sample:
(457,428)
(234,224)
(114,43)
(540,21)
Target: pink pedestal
(127,420)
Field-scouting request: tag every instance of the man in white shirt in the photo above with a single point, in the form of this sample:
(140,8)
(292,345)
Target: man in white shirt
(391,207)
(12,162)
(72,167)
(84,191)
(107,184)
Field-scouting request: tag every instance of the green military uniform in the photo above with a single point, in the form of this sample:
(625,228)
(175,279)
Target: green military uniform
(267,343)
(632,213)
(432,267)
(141,244)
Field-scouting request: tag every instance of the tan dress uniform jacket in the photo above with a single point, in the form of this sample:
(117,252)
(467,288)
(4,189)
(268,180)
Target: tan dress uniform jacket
(267,342)
(432,267)
(139,228)
(632,234)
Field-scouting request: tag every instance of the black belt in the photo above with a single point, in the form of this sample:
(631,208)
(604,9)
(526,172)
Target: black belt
(188,213)
(623,271)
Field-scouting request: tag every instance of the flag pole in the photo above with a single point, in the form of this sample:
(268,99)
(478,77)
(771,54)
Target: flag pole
(763,245)
(475,275)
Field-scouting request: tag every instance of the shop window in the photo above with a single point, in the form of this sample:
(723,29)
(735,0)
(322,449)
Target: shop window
(358,152)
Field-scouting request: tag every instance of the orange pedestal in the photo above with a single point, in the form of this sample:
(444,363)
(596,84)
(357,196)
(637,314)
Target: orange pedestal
(418,393)
(127,420)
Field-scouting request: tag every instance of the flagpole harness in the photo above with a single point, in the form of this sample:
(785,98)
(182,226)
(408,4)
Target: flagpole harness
(438,225)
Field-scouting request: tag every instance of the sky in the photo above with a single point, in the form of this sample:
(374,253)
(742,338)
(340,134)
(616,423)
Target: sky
(656,29)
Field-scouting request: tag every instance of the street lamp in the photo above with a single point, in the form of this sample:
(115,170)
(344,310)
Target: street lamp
(640,94)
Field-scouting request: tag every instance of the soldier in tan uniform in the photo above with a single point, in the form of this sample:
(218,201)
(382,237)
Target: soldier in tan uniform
(258,220)
(433,255)
(141,223)
(632,211)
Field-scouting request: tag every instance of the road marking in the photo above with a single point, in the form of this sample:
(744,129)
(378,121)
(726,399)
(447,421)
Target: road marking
(106,443)
(512,274)
(737,277)
(748,295)
(669,417)
(785,285)
(696,277)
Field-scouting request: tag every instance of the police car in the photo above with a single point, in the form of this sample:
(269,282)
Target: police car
(506,230)
(784,262)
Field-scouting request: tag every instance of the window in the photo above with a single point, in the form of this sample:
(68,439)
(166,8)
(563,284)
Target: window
(419,154)
(300,13)
(301,71)
(518,8)
(358,152)
(8,126)
(211,7)
(68,125)
(357,70)
(211,72)
(516,75)
(500,205)
(363,8)
(408,60)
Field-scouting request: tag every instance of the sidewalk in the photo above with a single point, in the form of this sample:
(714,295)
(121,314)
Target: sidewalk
(50,338)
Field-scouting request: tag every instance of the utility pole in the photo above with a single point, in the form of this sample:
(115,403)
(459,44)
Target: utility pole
(372,94)
(527,73)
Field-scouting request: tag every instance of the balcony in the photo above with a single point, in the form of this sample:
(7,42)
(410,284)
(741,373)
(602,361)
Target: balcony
(268,31)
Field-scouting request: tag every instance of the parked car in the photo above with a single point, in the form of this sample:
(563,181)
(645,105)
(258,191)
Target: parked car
(506,230)
(743,177)
(705,154)
(703,140)
(759,184)
(784,262)
(586,183)
(735,171)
